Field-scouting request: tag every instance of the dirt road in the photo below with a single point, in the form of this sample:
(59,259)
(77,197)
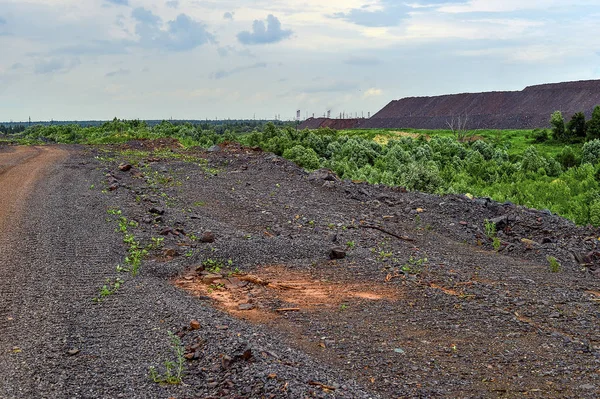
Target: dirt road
(20,169)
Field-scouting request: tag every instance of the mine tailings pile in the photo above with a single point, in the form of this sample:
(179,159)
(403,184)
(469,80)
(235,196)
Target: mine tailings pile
(527,109)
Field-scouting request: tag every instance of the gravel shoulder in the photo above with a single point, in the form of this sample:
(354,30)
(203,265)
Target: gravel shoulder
(419,305)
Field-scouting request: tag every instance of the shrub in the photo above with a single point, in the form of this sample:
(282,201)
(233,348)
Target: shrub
(533,161)
(304,157)
(593,125)
(484,148)
(567,158)
(558,126)
(590,153)
(576,126)
(540,135)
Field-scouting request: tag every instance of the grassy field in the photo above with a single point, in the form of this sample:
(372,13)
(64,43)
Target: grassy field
(515,142)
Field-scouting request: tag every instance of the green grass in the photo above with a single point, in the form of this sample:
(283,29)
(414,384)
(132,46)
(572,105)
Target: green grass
(515,141)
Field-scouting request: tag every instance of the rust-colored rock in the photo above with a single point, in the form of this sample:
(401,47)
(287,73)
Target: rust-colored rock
(195,325)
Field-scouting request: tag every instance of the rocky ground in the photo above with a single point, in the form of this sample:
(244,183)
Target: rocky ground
(279,283)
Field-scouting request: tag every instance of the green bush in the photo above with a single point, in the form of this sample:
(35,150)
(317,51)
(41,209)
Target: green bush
(590,153)
(540,135)
(576,127)
(304,157)
(593,125)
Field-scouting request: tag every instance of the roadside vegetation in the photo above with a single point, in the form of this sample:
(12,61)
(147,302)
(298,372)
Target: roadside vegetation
(557,169)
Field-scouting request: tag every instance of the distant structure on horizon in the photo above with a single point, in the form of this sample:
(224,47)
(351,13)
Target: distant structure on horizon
(527,109)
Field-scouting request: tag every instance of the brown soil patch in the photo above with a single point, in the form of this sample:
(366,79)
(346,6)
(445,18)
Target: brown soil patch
(275,290)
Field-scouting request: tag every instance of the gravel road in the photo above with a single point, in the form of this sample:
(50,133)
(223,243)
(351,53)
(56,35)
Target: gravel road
(57,249)
(418,304)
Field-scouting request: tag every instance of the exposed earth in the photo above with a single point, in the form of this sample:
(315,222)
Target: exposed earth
(526,109)
(280,283)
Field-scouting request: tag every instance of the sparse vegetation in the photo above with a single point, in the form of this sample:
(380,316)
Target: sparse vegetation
(554,265)
(173,370)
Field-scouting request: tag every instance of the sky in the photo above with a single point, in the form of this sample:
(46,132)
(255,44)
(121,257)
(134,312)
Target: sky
(219,59)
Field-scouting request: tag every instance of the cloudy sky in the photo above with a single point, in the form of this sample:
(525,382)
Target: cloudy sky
(194,59)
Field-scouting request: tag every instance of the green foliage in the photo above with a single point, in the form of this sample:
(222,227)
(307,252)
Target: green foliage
(590,153)
(533,161)
(568,158)
(173,369)
(576,127)
(593,125)
(504,166)
(540,135)
(558,126)
(554,265)
(490,228)
(496,243)
(304,157)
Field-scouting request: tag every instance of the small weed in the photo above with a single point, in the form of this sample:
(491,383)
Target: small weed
(121,269)
(490,228)
(212,266)
(114,211)
(343,306)
(189,253)
(92,187)
(351,244)
(414,265)
(157,243)
(173,369)
(496,243)
(418,220)
(554,265)
(200,203)
(108,289)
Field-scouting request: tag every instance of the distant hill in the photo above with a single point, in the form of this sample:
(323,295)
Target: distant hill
(526,109)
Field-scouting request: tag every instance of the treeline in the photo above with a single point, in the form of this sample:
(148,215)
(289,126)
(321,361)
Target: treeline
(120,131)
(577,130)
(12,129)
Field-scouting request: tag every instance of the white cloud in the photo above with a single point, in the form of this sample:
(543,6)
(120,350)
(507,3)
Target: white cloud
(88,47)
(373,92)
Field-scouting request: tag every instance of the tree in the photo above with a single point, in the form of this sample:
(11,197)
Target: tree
(593,125)
(576,126)
(558,126)
(458,125)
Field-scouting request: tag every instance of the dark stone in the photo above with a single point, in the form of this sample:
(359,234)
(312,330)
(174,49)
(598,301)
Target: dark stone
(323,174)
(124,167)
(501,222)
(156,210)
(207,237)
(337,253)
